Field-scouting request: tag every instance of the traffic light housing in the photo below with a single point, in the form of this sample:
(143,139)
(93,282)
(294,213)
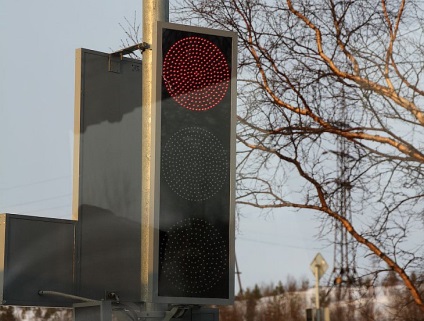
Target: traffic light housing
(194,165)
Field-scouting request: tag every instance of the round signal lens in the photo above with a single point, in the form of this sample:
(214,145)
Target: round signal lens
(196,73)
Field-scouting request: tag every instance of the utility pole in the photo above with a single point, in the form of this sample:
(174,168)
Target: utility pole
(238,276)
(153,11)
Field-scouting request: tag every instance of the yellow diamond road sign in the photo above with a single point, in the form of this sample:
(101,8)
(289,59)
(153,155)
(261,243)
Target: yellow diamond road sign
(320,264)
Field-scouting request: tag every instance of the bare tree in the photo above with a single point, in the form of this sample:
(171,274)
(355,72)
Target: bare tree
(316,72)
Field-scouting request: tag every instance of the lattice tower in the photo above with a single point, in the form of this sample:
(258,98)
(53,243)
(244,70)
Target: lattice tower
(344,271)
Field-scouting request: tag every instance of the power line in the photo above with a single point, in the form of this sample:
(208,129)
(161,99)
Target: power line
(35,183)
(40,200)
(278,244)
(49,208)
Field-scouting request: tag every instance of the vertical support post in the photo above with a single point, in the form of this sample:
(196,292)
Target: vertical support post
(153,11)
(316,286)
(318,315)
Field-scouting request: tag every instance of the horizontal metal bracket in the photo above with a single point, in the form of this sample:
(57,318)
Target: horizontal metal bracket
(126,51)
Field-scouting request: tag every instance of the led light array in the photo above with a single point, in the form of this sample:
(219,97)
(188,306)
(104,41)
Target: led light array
(196,73)
(194,163)
(196,179)
(193,255)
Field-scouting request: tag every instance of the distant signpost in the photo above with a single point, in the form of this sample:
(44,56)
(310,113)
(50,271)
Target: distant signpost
(318,267)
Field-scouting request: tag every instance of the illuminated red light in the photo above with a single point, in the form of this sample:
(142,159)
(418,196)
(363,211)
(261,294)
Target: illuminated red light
(196,73)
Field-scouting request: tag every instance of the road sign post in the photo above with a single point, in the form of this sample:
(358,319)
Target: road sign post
(318,267)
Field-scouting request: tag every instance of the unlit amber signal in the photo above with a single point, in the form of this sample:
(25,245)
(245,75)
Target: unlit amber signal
(196,73)
(195,164)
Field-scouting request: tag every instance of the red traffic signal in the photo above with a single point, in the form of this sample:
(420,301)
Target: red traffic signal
(194,165)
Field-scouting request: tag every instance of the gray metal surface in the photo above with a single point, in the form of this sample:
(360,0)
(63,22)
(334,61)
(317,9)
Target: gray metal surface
(204,314)
(107,175)
(96,311)
(35,254)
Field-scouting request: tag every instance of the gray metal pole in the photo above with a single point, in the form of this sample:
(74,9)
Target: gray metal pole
(316,287)
(317,293)
(153,11)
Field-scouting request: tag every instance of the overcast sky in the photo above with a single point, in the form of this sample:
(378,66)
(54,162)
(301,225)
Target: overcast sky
(38,42)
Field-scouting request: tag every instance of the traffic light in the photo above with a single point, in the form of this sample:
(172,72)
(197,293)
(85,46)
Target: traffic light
(194,164)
